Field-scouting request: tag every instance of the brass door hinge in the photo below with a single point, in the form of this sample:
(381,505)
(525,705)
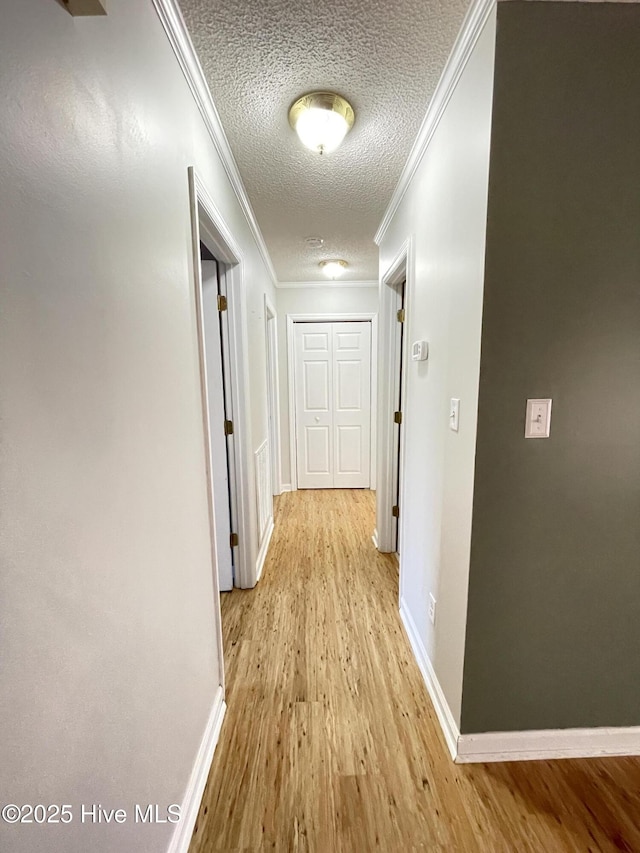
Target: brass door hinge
(233,539)
(222,302)
(395,511)
(397,417)
(228,427)
(401,315)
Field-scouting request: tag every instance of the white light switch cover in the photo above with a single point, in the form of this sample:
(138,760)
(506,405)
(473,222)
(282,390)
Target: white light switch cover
(538,419)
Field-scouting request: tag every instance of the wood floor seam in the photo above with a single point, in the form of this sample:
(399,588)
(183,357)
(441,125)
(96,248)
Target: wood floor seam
(330,742)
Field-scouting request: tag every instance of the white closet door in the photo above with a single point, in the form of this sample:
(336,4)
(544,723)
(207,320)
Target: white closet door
(351,405)
(314,421)
(333,404)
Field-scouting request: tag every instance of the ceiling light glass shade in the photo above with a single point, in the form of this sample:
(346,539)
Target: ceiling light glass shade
(333,269)
(321,120)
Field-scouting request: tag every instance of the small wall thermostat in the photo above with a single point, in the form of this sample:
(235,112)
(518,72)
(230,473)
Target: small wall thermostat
(420,351)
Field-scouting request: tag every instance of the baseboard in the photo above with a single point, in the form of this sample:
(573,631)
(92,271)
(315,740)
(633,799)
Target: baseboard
(548,744)
(264,547)
(374,538)
(195,788)
(445,717)
(285,487)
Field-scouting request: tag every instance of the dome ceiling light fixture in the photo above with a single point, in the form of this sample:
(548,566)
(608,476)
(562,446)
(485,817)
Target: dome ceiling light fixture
(321,120)
(333,269)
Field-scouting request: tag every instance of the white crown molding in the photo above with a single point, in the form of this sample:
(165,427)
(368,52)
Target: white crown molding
(176,29)
(470,32)
(297,285)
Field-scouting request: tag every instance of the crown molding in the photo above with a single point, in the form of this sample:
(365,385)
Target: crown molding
(176,30)
(470,32)
(298,285)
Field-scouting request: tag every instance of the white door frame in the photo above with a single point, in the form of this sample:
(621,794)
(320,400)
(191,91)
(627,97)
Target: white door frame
(207,220)
(330,318)
(401,269)
(273,393)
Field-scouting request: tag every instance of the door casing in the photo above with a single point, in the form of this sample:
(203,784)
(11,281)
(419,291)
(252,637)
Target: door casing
(401,269)
(331,318)
(208,225)
(273,393)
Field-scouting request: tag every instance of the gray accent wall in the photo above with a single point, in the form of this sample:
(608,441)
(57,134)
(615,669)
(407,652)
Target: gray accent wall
(553,631)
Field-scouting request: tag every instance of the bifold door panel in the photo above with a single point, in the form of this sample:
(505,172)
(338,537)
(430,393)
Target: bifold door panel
(333,404)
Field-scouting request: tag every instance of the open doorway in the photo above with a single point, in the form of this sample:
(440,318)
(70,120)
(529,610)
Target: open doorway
(220,318)
(221,449)
(394,298)
(397,395)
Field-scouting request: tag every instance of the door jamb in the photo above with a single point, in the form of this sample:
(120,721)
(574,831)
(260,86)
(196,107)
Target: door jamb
(401,268)
(206,218)
(273,393)
(366,316)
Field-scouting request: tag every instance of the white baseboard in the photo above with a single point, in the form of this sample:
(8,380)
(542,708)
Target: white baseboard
(285,487)
(540,745)
(547,744)
(195,788)
(445,717)
(264,547)
(374,538)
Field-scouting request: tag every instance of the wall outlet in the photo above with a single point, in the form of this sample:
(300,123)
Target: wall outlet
(432,609)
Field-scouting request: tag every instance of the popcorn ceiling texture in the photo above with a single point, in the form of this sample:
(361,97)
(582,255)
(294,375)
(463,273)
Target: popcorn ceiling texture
(385,58)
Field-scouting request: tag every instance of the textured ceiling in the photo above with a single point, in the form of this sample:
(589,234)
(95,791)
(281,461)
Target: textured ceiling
(385,58)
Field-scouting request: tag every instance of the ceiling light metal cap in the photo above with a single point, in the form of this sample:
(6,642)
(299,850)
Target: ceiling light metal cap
(333,268)
(322,101)
(321,120)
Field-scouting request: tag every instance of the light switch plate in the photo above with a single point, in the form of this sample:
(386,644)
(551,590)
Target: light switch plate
(538,419)
(454,414)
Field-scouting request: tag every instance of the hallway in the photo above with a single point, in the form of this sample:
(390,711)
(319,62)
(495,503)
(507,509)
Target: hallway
(330,742)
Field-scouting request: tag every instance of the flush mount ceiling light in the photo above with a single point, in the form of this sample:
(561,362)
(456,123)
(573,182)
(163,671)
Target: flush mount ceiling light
(321,120)
(333,269)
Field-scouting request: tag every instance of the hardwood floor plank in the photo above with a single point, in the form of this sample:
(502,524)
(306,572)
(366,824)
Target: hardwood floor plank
(331,744)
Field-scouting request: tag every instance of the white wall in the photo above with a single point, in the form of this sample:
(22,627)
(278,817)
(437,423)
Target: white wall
(445,210)
(311,300)
(107,615)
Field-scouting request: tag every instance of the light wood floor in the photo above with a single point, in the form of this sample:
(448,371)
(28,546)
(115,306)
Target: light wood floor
(330,742)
